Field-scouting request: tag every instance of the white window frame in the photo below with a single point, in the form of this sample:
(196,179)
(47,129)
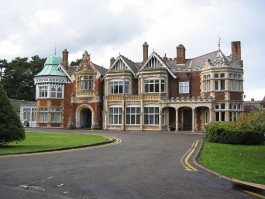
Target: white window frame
(132,115)
(151,115)
(118,86)
(154,85)
(43,115)
(56,115)
(184,87)
(115,115)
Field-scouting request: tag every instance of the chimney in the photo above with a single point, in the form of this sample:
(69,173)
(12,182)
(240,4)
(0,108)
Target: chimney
(145,52)
(236,50)
(65,59)
(180,54)
(112,60)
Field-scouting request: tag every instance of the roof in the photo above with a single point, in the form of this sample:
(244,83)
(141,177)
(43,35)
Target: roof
(100,69)
(130,63)
(18,103)
(198,62)
(51,67)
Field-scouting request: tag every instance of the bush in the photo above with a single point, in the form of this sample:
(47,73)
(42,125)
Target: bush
(254,120)
(11,128)
(229,133)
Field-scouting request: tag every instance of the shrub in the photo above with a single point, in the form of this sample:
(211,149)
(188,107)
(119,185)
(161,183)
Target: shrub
(229,133)
(254,120)
(11,128)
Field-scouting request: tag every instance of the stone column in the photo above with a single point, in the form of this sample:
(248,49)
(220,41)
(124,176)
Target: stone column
(177,123)
(193,120)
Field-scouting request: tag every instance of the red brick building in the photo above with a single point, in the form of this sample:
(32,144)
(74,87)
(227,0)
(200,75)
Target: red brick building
(157,93)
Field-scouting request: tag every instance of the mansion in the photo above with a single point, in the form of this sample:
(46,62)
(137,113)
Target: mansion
(156,93)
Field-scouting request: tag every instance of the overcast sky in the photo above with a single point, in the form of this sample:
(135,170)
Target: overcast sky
(106,28)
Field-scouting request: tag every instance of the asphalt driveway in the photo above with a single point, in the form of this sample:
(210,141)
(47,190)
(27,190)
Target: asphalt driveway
(143,165)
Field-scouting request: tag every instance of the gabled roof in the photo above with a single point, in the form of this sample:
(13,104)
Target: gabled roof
(100,69)
(127,62)
(159,59)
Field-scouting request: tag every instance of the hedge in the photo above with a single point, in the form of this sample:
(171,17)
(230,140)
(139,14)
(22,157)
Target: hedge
(229,133)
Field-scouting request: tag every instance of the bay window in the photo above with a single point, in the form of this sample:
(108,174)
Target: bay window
(119,87)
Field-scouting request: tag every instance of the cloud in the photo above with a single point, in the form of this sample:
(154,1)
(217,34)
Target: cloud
(107,28)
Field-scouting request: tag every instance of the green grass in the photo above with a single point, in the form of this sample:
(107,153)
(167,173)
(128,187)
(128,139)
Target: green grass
(44,141)
(244,162)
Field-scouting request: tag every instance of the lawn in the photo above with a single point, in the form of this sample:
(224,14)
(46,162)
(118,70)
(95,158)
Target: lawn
(45,141)
(244,162)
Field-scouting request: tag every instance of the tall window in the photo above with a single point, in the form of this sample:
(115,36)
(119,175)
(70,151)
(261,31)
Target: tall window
(235,82)
(219,82)
(115,115)
(184,87)
(132,115)
(118,86)
(86,82)
(43,91)
(43,115)
(154,86)
(56,115)
(206,83)
(219,112)
(151,115)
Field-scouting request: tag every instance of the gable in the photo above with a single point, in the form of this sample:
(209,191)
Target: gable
(119,65)
(154,61)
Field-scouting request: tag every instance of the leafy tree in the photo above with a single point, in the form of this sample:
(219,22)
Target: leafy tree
(76,63)
(11,128)
(18,79)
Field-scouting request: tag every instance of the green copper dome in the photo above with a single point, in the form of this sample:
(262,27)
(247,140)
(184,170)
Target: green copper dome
(51,67)
(53,60)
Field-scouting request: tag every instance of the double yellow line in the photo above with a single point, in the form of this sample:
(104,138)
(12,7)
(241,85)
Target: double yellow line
(186,157)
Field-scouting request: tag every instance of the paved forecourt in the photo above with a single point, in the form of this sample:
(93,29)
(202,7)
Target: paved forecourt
(140,165)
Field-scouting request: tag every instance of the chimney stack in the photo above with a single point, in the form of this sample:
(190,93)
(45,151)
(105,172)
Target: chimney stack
(145,52)
(180,54)
(65,59)
(112,60)
(236,50)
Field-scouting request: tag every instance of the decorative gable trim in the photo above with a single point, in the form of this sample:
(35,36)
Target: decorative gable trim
(154,61)
(119,64)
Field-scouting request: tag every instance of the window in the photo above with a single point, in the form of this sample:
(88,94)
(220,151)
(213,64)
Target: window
(86,82)
(56,115)
(132,115)
(26,113)
(43,91)
(154,85)
(206,83)
(184,87)
(56,91)
(219,83)
(43,115)
(151,115)
(115,115)
(118,86)
(235,82)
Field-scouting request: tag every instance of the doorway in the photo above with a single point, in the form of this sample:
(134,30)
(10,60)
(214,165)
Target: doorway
(85,118)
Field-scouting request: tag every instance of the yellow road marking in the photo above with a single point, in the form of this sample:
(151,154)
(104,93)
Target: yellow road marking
(187,156)
(118,141)
(254,194)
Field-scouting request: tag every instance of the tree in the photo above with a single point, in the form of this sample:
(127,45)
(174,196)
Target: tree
(11,128)
(76,63)
(19,74)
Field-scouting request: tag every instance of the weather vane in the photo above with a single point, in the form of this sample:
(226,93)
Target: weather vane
(219,41)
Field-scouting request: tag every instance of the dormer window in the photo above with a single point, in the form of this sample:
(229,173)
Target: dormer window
(85,82)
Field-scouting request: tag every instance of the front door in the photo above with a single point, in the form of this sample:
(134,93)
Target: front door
(85,118)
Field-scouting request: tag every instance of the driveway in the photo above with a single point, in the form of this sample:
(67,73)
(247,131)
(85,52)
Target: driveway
(142,165)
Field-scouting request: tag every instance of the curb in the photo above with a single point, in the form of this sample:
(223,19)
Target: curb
(232,180)
(111,140)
